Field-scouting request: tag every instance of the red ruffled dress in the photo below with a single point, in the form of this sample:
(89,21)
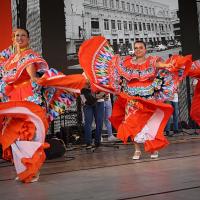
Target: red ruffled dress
(139,112)
(26,108)
(194,72)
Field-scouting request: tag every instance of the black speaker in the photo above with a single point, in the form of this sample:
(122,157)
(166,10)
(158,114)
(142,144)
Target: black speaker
(72,135)
(57,148)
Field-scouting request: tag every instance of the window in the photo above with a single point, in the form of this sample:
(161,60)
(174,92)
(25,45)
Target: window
(121,41)
(152,27)
(126,41)
(106,24)
(146,10)
(144,26)
(130,26)
(166,27)
(138,8)
(153,10)
(119,25)
(141,7)
(111,4)
(93,2)
(125,25)
(135,26)
(117,4)
(95,23)
(161,27)
(128,7)
(140,26)
(148,27)
(150,11)
(176,25)
(105,3)
(113,24)
(133,7)
(156,27)
(123,5)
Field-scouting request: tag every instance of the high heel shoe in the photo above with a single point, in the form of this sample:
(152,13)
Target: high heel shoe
(35,178)
(154,155)
(137,155)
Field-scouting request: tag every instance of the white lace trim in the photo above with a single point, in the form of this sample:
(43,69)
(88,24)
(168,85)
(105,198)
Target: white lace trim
(143,136)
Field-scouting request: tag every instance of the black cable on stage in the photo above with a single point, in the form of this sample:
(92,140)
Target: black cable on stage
(160,193)
(66,158)
(8,179)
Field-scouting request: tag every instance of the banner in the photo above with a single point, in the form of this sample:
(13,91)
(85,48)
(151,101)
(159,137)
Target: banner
(5,24)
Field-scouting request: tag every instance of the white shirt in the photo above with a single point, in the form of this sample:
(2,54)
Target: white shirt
(175,99)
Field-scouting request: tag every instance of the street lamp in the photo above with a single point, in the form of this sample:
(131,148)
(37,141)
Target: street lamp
(81,32)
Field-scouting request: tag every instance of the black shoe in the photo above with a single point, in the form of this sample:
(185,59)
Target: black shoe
(89,146)
(176,131)
(169,134)
(97,145)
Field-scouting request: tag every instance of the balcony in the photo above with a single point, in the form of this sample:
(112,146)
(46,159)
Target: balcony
(163,32)
(137,32)
(114,31)
(126,32)
(95,31)
(177,29)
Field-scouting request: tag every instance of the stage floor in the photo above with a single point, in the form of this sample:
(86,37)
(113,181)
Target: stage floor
(110,173)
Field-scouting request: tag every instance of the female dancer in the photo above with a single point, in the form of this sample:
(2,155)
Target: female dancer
(194,72)
(31,96)
(142,84)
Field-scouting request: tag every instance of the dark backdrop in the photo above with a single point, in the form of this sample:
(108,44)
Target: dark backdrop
(189,28)
(53,33)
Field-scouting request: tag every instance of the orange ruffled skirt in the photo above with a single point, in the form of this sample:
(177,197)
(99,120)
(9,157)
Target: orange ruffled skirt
(22,137)
(143,121)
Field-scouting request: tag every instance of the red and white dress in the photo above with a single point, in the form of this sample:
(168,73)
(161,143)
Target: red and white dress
(139,112)
(27,107)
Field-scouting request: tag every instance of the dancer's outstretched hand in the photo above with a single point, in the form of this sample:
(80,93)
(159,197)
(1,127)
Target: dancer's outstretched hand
(166,65)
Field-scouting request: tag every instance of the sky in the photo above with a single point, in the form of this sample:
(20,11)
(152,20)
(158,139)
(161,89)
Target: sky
(173,4)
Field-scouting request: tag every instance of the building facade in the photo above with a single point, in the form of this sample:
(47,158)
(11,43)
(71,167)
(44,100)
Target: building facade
(176,25)
(120,21)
